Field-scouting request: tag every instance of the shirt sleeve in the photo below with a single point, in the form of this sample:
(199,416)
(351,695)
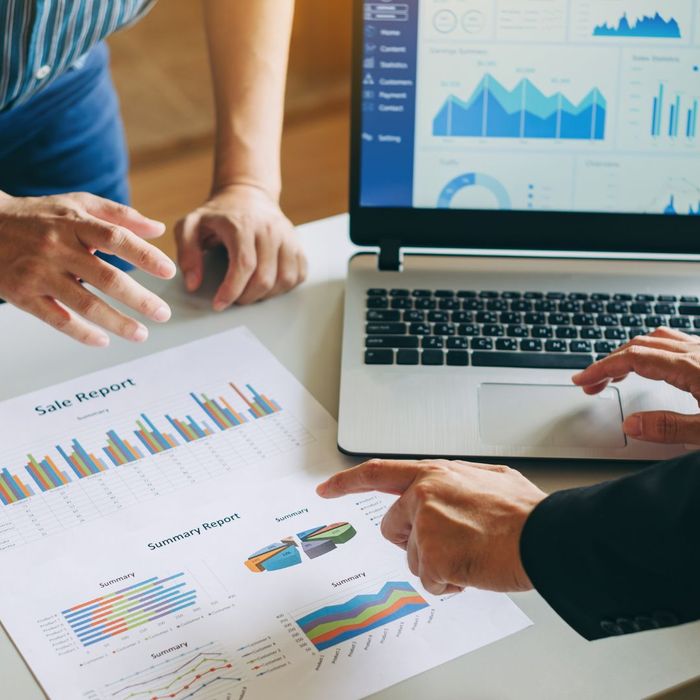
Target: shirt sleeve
(622,556)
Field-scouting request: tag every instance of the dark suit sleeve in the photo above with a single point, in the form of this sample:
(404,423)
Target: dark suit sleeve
(622,556)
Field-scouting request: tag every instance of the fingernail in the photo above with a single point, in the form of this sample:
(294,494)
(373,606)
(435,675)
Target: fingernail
(140,334)
(162,314)
(220,305)
(167,269)
(101,341)
(190,280)
(157,223)
(633,426)
(576,377)
(322,488)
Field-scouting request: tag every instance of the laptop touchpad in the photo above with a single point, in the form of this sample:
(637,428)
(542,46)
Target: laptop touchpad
(525,415)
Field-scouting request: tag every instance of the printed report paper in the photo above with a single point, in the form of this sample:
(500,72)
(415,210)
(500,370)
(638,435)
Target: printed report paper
(160,537)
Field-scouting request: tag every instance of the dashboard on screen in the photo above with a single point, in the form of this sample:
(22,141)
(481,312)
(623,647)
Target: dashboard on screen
(545,105)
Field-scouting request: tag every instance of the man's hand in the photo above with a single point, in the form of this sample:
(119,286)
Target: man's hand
(459,523)
(265,257)
(664,355)
(46,248)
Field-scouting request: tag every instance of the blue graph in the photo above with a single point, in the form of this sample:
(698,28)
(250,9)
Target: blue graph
(655,27)
(493,111)
(672,211)
(474,180)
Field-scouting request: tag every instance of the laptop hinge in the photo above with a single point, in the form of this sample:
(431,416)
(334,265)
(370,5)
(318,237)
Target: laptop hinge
(390,258)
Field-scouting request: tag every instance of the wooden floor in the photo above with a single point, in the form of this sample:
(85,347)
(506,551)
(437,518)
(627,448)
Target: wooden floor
(315,175)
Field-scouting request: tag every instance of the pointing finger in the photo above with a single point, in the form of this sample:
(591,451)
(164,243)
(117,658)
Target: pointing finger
(385,475)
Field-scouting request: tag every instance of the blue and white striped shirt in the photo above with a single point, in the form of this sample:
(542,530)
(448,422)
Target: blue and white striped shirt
(41,39)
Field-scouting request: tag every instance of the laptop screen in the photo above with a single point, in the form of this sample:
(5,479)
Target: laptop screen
(546,105)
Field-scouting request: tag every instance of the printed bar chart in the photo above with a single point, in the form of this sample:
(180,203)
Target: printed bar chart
(108,616)
(118,450)
(334,624)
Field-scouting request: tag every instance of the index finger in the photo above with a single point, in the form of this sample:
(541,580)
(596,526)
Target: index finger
(110,238)
(385,475)
(647,362)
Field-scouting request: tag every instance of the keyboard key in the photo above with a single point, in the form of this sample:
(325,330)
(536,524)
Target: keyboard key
(473,305)
(688,309)
(438,317)
(457,358)
(433,357)
(531,345)
(542,332)
(379,357)
(581,346)
(569,307)
(432,342)
(567,332)
(631,320)
(634,332)
(690,300)
(640,308)
(531,360)
(600,357)
(622,297)
(668,298)
(654,321)
(470,329)
(510,318)
(606,320)
(583,319)
(385,328)
(482,344)
(457,343)
(555,346)
(497,305)
(535,319)
(421,293)
(665,309)
(487,317)
(407,357)
(644,297)
(578,296)
(518,332)
(377,303)
(556,296)
(425,303)
(419,329)
(679,322)
(444,329)
(619,307)
(444,293)
(511,295)
(493,330)
(488,295)
(401,303)
(593,307)
(377,315)
(600,296)
(547,306)
(590,333)
(696,323)
(413,316)
(450,304)
(399,293)
(604,346)
(506,344)
(533,295)
(559,319)
(391,341)
(462,317)
(466,294)
(615,334)
(376,292)
(521,306)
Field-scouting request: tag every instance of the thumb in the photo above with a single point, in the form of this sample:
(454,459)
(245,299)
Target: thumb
(189,251)
(664,426)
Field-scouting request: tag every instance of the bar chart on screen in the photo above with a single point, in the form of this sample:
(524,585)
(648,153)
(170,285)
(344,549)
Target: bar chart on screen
(141,448)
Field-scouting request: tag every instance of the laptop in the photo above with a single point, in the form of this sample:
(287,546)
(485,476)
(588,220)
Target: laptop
(526,180)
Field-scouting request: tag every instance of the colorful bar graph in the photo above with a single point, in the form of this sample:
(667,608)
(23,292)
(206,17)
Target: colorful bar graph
(682,117)
(99,619)
(118,451)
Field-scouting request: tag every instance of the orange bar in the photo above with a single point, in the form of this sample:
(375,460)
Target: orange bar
(60,476)
(240,393)
(186,429)
(39,476)
(9,497)
(151,442)
(91,602)
(119,458)
(97,462)
(169,439)
(80,469)
(134,453)
(233,410)
(22,487)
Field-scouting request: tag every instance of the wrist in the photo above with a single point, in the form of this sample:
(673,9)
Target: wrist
(245,185)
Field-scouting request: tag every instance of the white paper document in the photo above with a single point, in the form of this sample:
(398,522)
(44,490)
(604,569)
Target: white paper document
(160,537)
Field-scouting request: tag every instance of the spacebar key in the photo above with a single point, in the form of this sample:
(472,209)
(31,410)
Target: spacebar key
(532,360)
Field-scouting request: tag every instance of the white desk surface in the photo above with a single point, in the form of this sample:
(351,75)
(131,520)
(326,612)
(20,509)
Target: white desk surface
(303,330)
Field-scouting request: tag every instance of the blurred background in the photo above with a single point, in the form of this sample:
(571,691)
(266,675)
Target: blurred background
(169,117)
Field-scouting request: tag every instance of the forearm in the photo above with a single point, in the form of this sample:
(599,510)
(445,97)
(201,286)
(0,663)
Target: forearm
(622,556)
(248,47)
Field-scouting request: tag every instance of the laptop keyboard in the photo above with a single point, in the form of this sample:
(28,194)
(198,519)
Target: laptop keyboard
(544,330)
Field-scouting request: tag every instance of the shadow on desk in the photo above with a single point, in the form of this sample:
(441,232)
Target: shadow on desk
(685,691)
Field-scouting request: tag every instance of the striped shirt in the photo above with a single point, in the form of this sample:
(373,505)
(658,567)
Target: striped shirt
(41,39)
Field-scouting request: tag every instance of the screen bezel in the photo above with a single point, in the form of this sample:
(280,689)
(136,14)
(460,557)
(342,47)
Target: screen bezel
(521,230)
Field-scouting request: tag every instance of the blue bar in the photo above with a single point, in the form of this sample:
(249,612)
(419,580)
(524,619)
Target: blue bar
(70,464)
(122,447)
(193,424)
(69,613)
(79,621)
(114,459)
(86,457)
(156,433)
(230,416)
(36,481)
(654,116)
(51,474)
(260,400)
(182,433)
(13,486)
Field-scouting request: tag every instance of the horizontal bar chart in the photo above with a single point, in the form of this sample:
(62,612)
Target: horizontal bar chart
(147,438)
(99,619)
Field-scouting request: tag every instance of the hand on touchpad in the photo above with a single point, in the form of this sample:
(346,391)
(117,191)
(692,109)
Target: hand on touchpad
(523,415)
